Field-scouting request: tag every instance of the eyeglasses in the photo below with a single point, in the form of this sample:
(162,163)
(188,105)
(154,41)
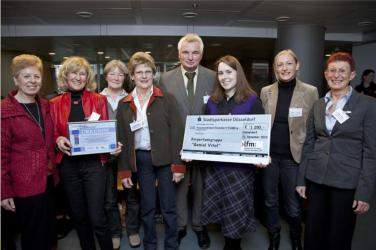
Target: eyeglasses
(341,71)
(146,73)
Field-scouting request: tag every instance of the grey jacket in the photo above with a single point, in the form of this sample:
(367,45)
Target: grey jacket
(346,158)
(173,83)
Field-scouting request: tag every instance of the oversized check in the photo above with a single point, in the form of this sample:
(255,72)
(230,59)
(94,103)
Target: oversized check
(227,138)
(92,137)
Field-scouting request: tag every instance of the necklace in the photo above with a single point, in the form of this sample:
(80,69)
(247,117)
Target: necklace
(76,101)
(32,116)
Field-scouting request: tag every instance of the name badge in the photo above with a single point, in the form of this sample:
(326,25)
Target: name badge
(136,125)
(295,112)
(94,117)
(340,116)
(206,98)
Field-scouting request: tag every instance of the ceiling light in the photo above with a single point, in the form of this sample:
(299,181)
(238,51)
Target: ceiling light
(84,14)
(365,23)
(107,57)
(52,53)
(170,45)
(215,44)
(189,14)
(327,55)
(282,18)
(148,52)
(100,52)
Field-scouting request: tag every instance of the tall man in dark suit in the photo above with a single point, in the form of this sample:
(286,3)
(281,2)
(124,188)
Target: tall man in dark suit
(191,84)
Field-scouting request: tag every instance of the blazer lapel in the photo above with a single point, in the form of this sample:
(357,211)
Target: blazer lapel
(348,107)
(297,99)
(199,93)
(272,99)
(181,90)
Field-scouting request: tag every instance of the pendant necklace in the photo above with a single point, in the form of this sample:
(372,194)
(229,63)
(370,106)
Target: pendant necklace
(32,116)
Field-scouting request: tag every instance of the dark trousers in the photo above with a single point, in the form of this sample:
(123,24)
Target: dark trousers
(281,171)
(148,174)
(35,218)
(192,179)
(110,204)
(330,218)
(84,180)
(132,199)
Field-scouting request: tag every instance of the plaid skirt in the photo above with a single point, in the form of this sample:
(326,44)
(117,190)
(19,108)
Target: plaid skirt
(228,200)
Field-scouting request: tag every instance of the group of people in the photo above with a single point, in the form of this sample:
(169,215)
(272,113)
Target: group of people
(322,150)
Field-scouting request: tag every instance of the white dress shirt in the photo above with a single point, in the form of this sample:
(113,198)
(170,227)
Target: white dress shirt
(183,71)
(142,135)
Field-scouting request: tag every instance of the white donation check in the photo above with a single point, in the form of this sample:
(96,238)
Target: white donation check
(92,137)
(227,138)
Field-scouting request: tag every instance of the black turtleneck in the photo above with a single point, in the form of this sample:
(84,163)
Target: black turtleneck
(280,138)
(77,111)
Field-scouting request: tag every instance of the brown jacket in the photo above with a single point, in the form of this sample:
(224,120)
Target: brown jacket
(165,128)
(303,97)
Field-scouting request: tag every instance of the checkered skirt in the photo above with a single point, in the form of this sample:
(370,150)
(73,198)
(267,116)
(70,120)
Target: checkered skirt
(228,200)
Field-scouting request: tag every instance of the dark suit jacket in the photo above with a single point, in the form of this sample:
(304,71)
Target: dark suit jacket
(173,82)
(346,158)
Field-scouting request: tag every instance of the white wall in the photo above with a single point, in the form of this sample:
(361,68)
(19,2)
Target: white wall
(365,58)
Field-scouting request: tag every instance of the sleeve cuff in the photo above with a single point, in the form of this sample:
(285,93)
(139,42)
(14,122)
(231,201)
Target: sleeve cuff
(178,168)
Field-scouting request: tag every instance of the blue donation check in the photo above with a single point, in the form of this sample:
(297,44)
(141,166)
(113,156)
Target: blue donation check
(227,138)
(92,137)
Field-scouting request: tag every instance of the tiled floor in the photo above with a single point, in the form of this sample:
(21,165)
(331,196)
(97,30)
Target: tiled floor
(364,238)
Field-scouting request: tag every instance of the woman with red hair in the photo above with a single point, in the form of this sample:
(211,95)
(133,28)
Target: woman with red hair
(338,159)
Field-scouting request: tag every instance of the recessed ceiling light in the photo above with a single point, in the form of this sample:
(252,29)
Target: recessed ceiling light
(282,18)
(215,44)
(84,14)
(327,55)
(365,23)
(148,52)
(189,14)
(107,57)
(52,53)
(100,52)
(170,45)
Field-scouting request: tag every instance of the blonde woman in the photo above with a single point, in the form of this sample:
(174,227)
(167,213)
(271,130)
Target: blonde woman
(83,177)
(289,101)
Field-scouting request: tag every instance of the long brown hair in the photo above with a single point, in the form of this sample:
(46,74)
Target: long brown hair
(242,88)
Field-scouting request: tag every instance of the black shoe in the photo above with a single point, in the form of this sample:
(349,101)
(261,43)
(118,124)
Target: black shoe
(203,239)
(296,245)
(181,234)
(274,239)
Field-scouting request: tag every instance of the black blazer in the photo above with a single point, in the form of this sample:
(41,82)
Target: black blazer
(346,158)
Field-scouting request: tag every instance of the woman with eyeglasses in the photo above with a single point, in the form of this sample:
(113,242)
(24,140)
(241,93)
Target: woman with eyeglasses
(338,168)
(150,128)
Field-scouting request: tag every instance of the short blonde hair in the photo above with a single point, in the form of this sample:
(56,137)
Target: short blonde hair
(139,58)
(113,65)
(190,38)
(23,61)
(74,64)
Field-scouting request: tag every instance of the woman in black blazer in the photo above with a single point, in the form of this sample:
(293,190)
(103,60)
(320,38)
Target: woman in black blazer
(338,163)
